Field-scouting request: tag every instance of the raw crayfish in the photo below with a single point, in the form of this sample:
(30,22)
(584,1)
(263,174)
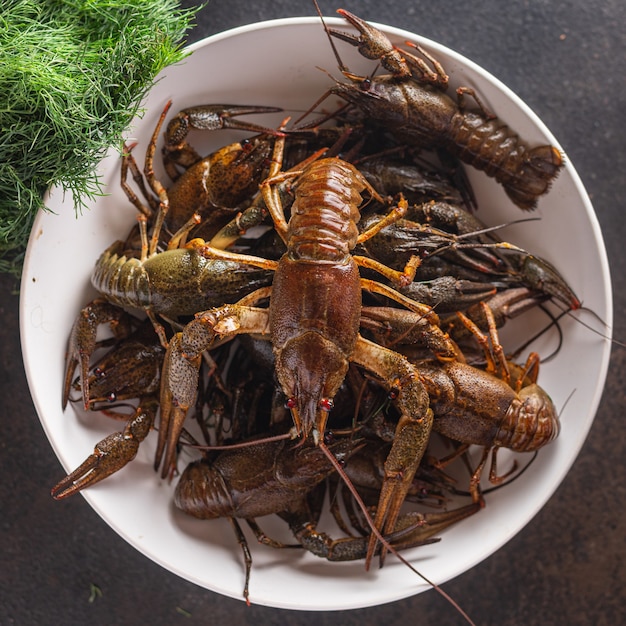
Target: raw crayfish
(281,477)
(412,104)
(312,321)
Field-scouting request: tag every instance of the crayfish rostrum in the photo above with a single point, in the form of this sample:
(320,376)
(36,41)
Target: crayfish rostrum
(361,320)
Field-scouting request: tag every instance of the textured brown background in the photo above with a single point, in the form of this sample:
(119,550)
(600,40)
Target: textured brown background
(567,60)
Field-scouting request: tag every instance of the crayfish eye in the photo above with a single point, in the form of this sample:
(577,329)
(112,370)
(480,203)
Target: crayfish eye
(326,404)
(246,145)
(291,403)
(366,84)
(394,392)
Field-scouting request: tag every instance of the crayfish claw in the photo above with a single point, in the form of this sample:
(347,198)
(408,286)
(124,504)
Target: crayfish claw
(214,117)
(373,44)
(80,478)
(539,274)
(178,393)
(109,455)
(82,342)
(413,527)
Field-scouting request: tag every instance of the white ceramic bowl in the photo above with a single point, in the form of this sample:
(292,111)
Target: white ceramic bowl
(135,502)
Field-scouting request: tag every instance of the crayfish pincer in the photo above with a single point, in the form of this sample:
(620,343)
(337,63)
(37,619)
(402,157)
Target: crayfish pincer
(411,103)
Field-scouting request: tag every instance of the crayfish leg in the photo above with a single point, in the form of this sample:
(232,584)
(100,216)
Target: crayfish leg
(411,436)
(181,366)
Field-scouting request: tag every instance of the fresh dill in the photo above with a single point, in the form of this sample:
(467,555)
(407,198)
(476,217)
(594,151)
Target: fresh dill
(183,612)
(72,76)
(94,593)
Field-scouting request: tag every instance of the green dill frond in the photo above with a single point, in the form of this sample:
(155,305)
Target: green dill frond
(72,76)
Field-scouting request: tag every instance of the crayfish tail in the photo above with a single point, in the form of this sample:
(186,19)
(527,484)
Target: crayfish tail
(541,165)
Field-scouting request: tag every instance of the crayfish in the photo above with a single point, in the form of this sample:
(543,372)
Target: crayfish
(411,103)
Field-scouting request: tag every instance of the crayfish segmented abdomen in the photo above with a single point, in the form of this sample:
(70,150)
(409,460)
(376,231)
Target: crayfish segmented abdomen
(531,422)
(491,146)
(325,213)
(174,282)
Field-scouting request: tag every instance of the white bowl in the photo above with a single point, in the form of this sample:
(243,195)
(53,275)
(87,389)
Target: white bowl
(135,502)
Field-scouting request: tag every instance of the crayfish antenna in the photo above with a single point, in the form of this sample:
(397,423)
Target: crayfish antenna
(342,67)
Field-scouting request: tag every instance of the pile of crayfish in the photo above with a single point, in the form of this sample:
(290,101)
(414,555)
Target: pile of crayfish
(317,308)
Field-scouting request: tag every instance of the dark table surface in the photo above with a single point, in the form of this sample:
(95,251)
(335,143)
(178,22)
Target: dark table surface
(567,60)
